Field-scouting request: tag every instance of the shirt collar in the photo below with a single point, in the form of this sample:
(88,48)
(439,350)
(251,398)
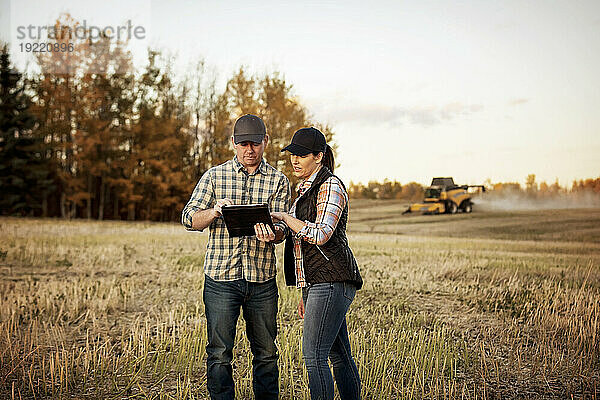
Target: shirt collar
(307,183)
(238,166)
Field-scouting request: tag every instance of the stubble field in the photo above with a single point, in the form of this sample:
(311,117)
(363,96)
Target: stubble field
(479,306)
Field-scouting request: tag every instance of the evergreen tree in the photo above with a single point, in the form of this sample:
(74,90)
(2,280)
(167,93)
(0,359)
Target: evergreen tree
(25,173)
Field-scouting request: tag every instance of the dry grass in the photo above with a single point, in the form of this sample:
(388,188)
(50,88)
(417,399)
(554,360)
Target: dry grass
(478,306)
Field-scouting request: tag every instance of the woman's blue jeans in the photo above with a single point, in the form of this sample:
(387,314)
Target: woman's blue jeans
(258,301)
(326,336)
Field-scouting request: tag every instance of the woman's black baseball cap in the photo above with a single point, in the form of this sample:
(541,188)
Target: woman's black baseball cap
(305,141)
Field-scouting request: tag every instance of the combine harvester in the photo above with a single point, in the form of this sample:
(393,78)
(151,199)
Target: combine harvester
(444,196)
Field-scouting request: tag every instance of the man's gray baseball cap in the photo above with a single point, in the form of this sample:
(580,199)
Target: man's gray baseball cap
(249,128)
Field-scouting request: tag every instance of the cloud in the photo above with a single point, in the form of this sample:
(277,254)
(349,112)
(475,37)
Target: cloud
(507,25)
(392,115)
(518,101)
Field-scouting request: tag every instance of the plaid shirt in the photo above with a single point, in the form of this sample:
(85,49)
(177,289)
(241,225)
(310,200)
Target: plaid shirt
(331,200)
(230,258)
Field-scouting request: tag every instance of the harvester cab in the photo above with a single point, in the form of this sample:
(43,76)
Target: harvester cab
(444,196)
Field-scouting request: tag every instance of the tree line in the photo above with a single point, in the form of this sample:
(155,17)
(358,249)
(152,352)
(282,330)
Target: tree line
(414,191)
(89,136)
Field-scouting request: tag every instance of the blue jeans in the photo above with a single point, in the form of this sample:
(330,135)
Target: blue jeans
(222,302)
(326,336)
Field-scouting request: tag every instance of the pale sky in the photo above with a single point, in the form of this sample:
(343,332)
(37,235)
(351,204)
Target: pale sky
(470,89)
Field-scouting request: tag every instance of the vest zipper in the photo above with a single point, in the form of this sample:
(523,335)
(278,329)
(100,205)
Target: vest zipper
(321,251)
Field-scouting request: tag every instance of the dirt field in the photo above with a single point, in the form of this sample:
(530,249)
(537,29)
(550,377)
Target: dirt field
(484,305)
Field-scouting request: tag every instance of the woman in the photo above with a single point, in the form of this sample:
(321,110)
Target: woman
(318,260)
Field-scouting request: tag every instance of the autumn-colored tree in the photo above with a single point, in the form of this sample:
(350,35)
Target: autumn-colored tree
(412,191)
(530,184)
(216,137)
(98,136)
(58,109)
(506,187)
(271,98)
(161,141)
(283,115)
(389,190)
(586,185)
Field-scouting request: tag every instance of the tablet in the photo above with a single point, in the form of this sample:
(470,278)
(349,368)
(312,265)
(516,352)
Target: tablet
(240,219)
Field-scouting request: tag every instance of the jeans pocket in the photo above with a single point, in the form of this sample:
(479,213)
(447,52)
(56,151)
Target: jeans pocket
(349,291)
(274,288)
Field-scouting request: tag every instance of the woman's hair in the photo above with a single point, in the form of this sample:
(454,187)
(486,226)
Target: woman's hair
(328,160)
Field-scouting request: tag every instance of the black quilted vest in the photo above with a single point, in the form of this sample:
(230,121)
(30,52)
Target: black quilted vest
(332,261)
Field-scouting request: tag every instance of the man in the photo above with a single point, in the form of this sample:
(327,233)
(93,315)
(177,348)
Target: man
(240,271)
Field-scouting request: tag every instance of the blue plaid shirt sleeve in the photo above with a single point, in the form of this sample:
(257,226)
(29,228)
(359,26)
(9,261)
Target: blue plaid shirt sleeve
(202,198)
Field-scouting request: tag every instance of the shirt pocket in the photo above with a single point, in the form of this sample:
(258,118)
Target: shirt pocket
(231,189)
(261,195)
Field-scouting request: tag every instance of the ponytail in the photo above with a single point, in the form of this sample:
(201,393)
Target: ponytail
(328,159)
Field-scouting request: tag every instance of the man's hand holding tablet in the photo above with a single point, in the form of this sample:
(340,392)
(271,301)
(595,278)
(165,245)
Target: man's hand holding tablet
(220,204)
